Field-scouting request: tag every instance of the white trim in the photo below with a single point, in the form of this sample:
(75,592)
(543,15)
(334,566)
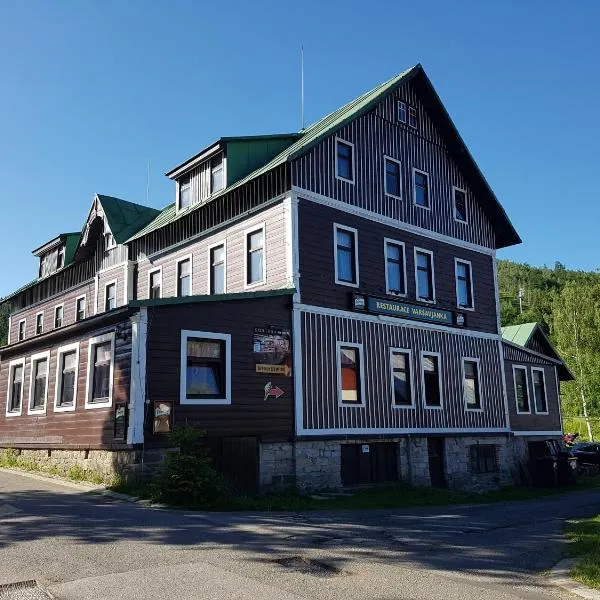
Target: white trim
(58,383)
(11,365)
(394,160)
(361,373)
(54,325)
(521,368)
(298,370)
(247,232)
(208,253)
(151,272)
(454,190)
(544,357)
(35,331)
(398,119)
(137,385)
(422,355)
(559,406)
(354,233)
(96,292)
(414,172)
(353,165)
(183,399)
(411,374)
(348,314)
(194,162)
(497,295)
(364,431)
(295,248)
(544,433)
(92,342)
(414,109)
(477,361)
(8,335)
(543,371)
(389,221)
(84,308)
(416,250)
(464,262)
(387,241)
(108,232)
(504,382)
(128,291)
(106,285)
(24,329)
(112,267)
(288,221)
(35,358)
(181,259)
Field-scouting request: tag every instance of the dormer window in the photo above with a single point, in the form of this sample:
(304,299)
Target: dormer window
(60,259)
(109,241)
(217,179)
(185,192)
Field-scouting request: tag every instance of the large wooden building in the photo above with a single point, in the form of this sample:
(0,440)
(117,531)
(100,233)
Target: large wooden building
(323,304)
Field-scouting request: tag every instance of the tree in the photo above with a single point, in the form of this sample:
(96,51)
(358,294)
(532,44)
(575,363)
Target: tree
(4,313)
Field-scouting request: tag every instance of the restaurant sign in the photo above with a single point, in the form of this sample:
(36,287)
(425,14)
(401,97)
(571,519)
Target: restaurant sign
(272,350)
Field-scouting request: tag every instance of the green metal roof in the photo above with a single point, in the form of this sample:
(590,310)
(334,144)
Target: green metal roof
(519,334)
(125,218)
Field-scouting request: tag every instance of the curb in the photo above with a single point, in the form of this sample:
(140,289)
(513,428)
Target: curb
(559,576)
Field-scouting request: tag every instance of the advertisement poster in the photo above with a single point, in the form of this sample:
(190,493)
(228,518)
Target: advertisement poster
(272,350)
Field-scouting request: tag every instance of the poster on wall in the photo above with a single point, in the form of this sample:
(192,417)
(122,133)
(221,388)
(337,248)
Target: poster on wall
(272,350)
(163,417)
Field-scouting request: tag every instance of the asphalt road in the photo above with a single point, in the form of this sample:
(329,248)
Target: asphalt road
(82,546)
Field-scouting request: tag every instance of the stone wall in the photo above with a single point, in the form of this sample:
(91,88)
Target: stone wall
(277,465)
(318,465)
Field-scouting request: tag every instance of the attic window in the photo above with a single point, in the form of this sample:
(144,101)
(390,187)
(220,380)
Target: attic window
(402,111)
(185,192)
(109,241)
(217,180)
(412,117)
(60,259)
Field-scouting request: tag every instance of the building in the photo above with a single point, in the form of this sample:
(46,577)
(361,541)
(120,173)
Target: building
(324,304)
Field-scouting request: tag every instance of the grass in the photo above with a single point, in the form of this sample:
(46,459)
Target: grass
(584,536)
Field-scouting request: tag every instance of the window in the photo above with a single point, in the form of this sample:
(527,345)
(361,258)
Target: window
(483,458)
(184,277)
(401,378)
(539,390)
(471,386)
(205,368)
(255,256)
(344,165)
(460,205)
(39,323)
(217,179)
(80,308)
(392,177)
(402,111)
(431,380)
(421,188)
(217,283)
(346,255)
(185,192)
(464,284)
(58,316)
(45,268)
(395,269)
(109,241)
(99,384)
(424,275)
(14,397)
(412,117)
(110,296)
(22,326)
(521,389)
(38,384)
(67,363)
(155,283)
(350,379)
(60,258)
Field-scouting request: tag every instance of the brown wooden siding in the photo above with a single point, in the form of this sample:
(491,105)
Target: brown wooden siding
(317,276)
(249,413)
(376,134)
(81,427)
(321,410)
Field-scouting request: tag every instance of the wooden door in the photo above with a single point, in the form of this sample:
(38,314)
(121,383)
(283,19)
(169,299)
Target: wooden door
(435,449)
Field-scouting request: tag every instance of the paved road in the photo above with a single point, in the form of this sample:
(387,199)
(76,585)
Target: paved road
(81,546)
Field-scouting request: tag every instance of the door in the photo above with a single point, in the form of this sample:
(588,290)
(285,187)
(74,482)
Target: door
(367,464)
(435,449)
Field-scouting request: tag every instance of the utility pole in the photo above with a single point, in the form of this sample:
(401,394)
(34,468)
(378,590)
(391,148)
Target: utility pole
(520,296)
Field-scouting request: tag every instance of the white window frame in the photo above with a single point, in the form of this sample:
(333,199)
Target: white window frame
(354,232)
(361,371)
(58,383)
(478,362)
(422,355)
(36,322)
(401,102)
(394,160)
(63,315)
(210,170)
(92,343)
(465,262)
(108,283)
(261,226)
(84,308)
(24,329)
(108,246)
(185,335)
(11,366)
(160,272)
(413,404)
(181,259)
(454,190)
(389,292)
(543,371)
(178,191)
(32,361)
(224,244)
(337,176)
(414,183)
(529,397)
(430,252)
(413,108)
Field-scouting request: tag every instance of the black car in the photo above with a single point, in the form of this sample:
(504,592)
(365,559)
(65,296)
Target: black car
(587,453)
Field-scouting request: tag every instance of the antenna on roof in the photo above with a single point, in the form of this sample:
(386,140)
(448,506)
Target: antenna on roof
(148,185)
(302,86)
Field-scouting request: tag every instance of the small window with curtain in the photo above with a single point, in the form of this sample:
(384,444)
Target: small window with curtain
(58,316)
(460,205)
(217,269)
(424,275)
(66,377)
(255,257)
(80,308)
(539,390)
(344,166)
(421,188)
(471,384)
(349,374)
(39,323)
(39,383)
(401,378)
(185,192)
(432,382)
(464,284)
(521,389)
(392,177)
(395,269)
(346,256)
(217,174)
(99,386)
(155,284)
(60,259)
(184,277)
(15,387)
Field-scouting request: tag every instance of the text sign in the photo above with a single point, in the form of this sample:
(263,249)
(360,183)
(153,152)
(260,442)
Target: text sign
(409,311)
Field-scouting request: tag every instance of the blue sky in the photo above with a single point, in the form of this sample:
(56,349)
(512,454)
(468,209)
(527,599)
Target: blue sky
(92,91)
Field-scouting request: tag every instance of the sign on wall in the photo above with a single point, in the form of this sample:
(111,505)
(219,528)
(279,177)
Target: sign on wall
(272,350)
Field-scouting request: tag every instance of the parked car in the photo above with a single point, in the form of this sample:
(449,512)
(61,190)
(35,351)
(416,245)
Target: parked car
(586,453)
